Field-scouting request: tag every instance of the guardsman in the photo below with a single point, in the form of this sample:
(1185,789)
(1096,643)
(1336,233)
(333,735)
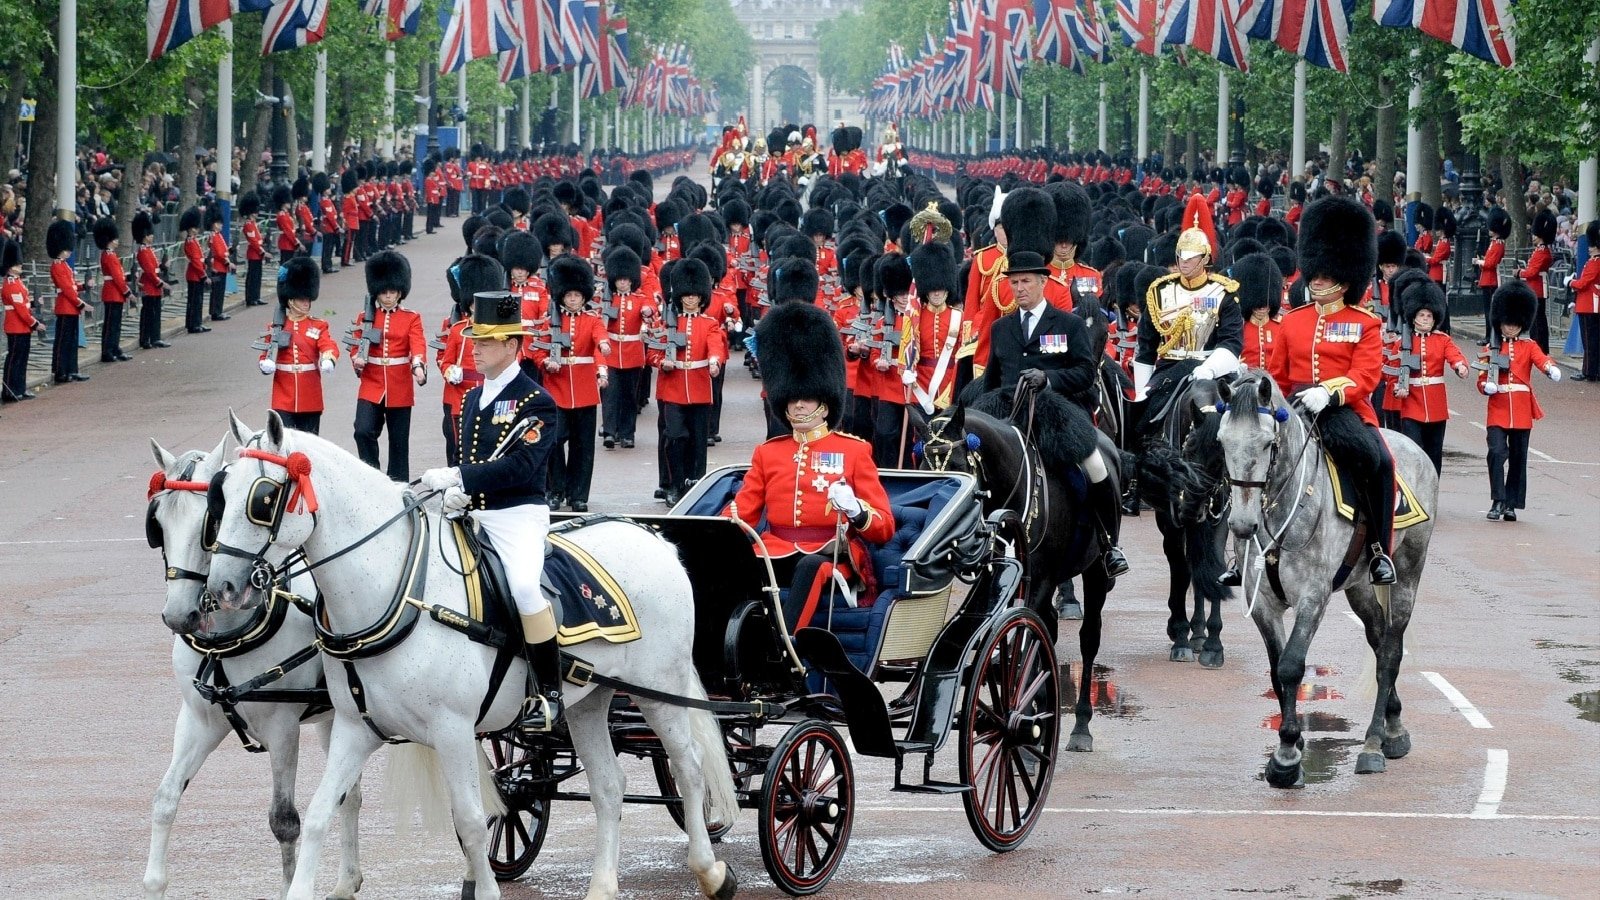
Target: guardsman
(390,356)
(298,349)
(1421,356)
(283,221)
(60,241)
(1191,315)
(506,435)
(1073,286)
(218,264)
(1544,240)
(1489,263)
(471,275)
(16,307)
(1586,305)
(933,267)
(628,311)
(114,292)
(521,256)
(1329,356)
(573,360)
(1260,294)
(153,285)
(817,489)
(194,272)
(453,183)
(817,224)
(891,153)
(478,180)
(255,252)
(1507,365)
(349,213)
(305,220)
(329,224)
(988,295)
(688,348)
(433,192)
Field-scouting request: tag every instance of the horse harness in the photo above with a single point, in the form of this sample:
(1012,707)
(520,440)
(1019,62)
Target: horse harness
(941,450)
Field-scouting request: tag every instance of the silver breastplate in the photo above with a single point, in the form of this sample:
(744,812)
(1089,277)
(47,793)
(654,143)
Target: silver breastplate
(1187,317)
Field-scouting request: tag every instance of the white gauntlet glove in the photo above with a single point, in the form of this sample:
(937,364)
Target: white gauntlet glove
(452,374)
(1490,387)
(456,500)
(908,377)
(1314,399)
(441,479)
(1221,362)
(1553,372)
(326,366)
(268,367)
(844,499)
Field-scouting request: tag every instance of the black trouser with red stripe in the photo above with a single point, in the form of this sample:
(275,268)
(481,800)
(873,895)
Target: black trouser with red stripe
(149,320)
(572,457)
(370,421)
(1429,436)
(1508,465)
(682,432)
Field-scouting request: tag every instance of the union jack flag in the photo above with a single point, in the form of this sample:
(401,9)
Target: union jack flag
(1070,33)
(479,28)
(968,51)
(401,17)
(291,24)
(1316,30)
(1207,26)
(608,67)
(1482,28)
(1139,20)
(1008,44)
(169,24)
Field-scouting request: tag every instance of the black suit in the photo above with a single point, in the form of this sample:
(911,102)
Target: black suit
(1068,361)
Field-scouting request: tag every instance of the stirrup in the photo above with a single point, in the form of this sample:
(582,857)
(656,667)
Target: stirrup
(1116,564)
(1381,568)
(538,714)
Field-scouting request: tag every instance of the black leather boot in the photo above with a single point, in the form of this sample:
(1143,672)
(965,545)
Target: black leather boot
(541,709)
(1106,508)
(1130,498)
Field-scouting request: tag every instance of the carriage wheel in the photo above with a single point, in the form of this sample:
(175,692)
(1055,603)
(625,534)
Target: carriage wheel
(807,807)
(1009,731)
(516,837)
(742,737)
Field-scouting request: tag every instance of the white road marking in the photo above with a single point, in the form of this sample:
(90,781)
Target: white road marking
(1458,700)
(1494,785)
(71,541)
(1307,813)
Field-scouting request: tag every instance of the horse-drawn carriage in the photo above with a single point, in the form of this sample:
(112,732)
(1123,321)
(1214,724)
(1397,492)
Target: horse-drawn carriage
(984,672)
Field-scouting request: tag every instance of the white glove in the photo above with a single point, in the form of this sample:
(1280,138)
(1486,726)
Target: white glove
(1570,278)
(440,479)
(455,500)
(326,366)
(1553,372)
(908,377)
(1490,387)
(1221,362)
(452,374)
(1314,399)
(1142,372)
(844,499)
(268,367)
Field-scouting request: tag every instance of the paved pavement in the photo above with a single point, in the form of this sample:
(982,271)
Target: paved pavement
(1170,803)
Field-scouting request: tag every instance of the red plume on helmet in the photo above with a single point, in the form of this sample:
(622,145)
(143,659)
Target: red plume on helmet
(1197,214)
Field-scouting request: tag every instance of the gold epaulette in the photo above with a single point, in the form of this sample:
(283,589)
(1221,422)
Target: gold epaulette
(1228,284)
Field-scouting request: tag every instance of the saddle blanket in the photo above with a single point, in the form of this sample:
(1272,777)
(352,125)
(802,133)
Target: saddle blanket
(1407,510)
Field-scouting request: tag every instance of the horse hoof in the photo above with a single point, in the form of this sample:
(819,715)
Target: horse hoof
(1197,643)
(1281,776)
(1071,609)
(1080,742)
(1181,653)
(1395,748)
(730,885)
(1370,764)
(1211,659)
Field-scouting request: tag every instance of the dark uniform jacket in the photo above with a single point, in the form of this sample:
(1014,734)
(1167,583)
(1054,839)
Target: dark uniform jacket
(1059,347)
(516,478)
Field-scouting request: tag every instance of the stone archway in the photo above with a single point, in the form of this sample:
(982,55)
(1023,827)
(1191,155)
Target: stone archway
(789,95)
(784,34)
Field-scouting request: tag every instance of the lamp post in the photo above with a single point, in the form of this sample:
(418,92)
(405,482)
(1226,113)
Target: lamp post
(280,134)
(1470,225)
(1236,158)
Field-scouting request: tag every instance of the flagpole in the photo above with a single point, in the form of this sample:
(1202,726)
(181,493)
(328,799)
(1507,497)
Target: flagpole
(66,111)
(1002,132)
(1021,108)
(461,101)
(1102,134)
(1589,169)
(1413,130)
(224,184)
(524,119)
(499,128)
(1222,117)
(386,144)
(577,100)
(988,124)
(1297,149)
(319,113)
(1144,113)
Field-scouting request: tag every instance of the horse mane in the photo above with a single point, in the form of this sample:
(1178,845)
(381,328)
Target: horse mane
(1050,416)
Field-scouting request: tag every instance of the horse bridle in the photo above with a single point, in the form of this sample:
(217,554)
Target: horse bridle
(154,535)
(265,506)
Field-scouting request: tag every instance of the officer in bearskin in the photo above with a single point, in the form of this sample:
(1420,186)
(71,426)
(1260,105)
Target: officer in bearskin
(298,350)
(390,356)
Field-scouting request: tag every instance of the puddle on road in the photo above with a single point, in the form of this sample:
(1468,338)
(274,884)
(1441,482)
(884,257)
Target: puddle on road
(1383,886)
(1309,692)
(1588,704)
(1311,722)
(1107,697)
(1322,759)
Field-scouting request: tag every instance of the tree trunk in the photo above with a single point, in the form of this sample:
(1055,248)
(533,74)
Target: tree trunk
(1428,166)
(260,128)
(1338,138)
(1450,140)
(10,128)
(128,200)
(1169,146)
(1511,192)
(1383,151)
(187,143)
(41,167)
(1191,153)
(291,129)
(340,132)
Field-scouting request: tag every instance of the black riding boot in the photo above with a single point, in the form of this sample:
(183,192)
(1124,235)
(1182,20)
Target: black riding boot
(1380,522)
(1107,510)
(542,708)
(1130,497)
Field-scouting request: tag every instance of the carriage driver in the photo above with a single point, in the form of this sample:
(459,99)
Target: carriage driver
(813,483)
(501,481)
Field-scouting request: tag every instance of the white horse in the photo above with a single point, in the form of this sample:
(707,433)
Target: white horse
(429,686)
(177,509)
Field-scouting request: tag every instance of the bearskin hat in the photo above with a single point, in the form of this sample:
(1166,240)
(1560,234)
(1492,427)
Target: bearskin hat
(567,193)
(801,359)
(1415,259)
(1104,253)
(388,271)
(520,250)
(895,218)
(1391,248)
(320,183)
(190,220)
(794,278)
(1444,222)
(788,211)
(500,219)
(850,270)
(486,240)
(301,188)
(715,259)
(894,275)
(477,274)
(348,182)
(1513,304)
(469,229)
(299,279)
(735,212)
(281,198)
(60,237)
(1544,226)
(1265,186)
(1383,211)
(1284,257)
(695,229)
(621,262)
(1242,247)
(143,226)
(1238,175)
(1260,283)
(1592,232)
(554,228)
(1073,210)
(817,220)
(10,255)
(567,274)
(1122,291)
(213,216)
(933,266)
(1424,216)
(1029,217)
(1411,291)
(1163,251)
(1275,232)
(633,237)
(517,200)
(790,243)
(690,276)
(105,231)
(669,213)
(1297,191)
(1142,281)
(1135,240)
(1338,240)
(1499,223)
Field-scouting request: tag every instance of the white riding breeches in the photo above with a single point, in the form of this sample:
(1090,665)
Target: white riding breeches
(518,535)
(1094,467)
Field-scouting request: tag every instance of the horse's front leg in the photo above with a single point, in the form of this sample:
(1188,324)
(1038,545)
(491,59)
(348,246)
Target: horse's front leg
(349,830)
(1386,738)
(1283,768)
(1208,566)
(279,730)
(1095,588)
(193,738)
(591,739)
(348,749)
(1172,546)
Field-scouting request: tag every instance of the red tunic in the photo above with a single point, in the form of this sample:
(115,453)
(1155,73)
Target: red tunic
(887,385)
(1533,274)
(1489,274)
(297,384)
(1341,349)
(1586,287)
(1235,204)
(66,284)
(934,339)
(113,282)
(253,251)
(688,382)
(1258,343)
(17,312)
(288,242)
(1426,399)
(386,371)
(1059,287)
(535,303)
(1515,406)
(150,283)
(350,209)
(1437,259)
(196,270)
(575,382)
(457,351)
(219,254)
(625,330)
(988,297)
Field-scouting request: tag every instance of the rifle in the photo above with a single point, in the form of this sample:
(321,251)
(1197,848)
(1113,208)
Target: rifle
(1405,361)
(671,340)
(1496,359)
(360,341)
(276,339)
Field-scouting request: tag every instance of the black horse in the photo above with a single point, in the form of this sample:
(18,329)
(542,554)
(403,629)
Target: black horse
(1009,451)
(1181,475)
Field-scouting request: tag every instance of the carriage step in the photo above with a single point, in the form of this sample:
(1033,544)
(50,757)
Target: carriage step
(929,785)
(933,787)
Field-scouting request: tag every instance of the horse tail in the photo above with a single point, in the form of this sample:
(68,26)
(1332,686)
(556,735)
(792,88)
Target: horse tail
(722,800)
(414,783)
(1206,564)
(1165,475)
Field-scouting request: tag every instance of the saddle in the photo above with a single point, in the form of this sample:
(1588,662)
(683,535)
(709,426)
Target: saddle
(588,602)
(1408,510)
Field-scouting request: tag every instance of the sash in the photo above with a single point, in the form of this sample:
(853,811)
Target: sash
(939,368)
